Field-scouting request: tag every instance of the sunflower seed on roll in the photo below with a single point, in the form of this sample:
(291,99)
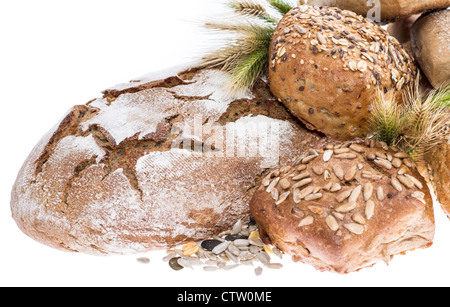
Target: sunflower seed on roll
(340,62)
(348,231)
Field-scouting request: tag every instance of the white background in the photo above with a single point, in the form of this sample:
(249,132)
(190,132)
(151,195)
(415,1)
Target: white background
(55,54)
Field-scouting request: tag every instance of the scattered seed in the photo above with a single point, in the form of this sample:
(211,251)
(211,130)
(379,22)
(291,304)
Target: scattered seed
(301,176)
(383,163)
(263,257)
(258,271)
(332,223)
(237,227)
(144,260)
(210,268)
(357,148)
(368,190)
(274,266)
(302,183)
(380,193)
(344,195)
(268,249)
(350,174)
(420,196)
(362,66)
(355,194)
(256,242)
(327,155)
(313,196)
(347,207)
(406,181)
(396,184)
(241,242)
(416,182)
(337,169)
(357,217)
(297,212)
(308,159)
(221,247)
(315,209)
(173,263)
(396,162)
(370,209)
(275,194)
(401,155)
(300,29)
(283,197)
(347,155)
(272,185)
(306,221)
(317,170)
(335,187)
(355,228)
(285,183)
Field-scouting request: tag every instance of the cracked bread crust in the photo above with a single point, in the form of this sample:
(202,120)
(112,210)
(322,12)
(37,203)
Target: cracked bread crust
(342,208)
(113,176)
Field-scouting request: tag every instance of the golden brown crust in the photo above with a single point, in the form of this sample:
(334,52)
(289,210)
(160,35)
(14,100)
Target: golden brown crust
(346,208)
(439,161)
(391,10)
(430,40)
(326,65)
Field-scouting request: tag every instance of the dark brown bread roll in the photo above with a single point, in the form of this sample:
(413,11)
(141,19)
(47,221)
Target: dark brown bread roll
(327,64)
(430,41)
(344,207)
(115,177)
(390,10)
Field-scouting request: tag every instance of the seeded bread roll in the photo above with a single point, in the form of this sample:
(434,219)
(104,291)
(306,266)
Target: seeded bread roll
(163,160)
(345,207)
(430,40)
(327,64)
(390,10)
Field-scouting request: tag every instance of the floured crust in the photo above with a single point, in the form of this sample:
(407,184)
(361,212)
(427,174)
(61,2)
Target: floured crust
(390,10)
(128,172)
(342,208)
(326,66)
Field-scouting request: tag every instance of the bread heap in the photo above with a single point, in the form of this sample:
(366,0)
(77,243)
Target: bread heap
(390,10)
(170,158)
(113,177)
(327,65)
(346,206)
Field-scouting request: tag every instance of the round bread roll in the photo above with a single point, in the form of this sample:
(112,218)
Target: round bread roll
(327,64)
(346,206)
(430,40)
(162,160)
(388,10)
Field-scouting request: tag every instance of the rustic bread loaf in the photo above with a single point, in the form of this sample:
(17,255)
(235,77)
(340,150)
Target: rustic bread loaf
(346,206)
(139,169)
(430,40)
(327,64)
(390,10)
